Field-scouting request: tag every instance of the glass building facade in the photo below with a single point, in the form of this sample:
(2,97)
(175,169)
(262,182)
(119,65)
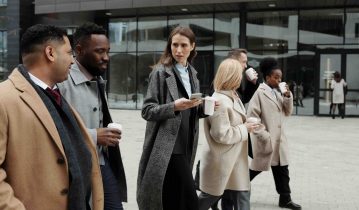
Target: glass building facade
(310,45)
(3,39)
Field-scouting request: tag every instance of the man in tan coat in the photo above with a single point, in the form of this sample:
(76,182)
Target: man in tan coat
(47,158)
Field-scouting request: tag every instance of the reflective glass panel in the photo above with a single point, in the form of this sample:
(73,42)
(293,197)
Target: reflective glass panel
(272,30)
(352,78)
(144,68)
(122,34)
(321,27)
(352,27)
(201,25)
(226,29)
(152,33)
(122,80)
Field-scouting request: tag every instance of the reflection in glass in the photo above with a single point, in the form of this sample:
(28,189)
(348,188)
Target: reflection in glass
(352,78)
(122,80)
(352,27)
(272,30)
(145,62)
(226,27)
(329,63)
(201,25)
(122,34)
(152,33)
(3,54)
(321,27)
(203,63)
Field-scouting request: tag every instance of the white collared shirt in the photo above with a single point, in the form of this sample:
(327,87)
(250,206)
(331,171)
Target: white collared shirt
(272,90)
(40,83)
(183,70)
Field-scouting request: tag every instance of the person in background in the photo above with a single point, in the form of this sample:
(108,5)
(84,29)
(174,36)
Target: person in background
(85,91)
(47,158)
(270,144)
(338,86)
(224,162)
(165,178)
(248,87)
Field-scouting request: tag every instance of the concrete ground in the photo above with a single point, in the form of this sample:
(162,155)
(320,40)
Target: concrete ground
(324,167)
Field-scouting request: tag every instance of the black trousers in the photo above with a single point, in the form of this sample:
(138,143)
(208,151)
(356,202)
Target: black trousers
(179,192)
(281,180)
(111,188)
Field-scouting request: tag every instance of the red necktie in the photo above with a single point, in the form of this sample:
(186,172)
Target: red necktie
(56,94)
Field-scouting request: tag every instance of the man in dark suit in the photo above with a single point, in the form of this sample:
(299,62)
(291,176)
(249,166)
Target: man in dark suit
(47,158)
(85,91)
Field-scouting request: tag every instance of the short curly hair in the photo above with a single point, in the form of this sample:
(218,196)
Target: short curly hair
(85,31)
(40,34)
(267,65)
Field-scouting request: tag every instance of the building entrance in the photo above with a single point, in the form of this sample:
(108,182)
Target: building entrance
(345,62)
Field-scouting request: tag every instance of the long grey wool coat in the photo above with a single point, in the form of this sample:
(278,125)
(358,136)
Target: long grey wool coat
(269,143)
(162,128)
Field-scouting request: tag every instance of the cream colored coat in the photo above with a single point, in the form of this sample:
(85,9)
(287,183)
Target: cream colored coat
(269,143)
(34,169)
(224,162)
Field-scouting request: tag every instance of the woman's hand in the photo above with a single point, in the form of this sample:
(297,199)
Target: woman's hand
(251,126)
(183,103)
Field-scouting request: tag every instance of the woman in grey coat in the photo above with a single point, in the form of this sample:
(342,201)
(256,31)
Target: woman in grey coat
(165,173)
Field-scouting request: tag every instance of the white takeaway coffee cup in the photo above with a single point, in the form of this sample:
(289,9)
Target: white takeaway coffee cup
(251,74)
(209,103)
(252,120)
(115,125)
(282,87)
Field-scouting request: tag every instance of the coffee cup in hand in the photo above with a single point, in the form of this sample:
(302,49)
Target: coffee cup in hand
(251,74)
(282,87)
(252,120)
(118,126)
(209,103)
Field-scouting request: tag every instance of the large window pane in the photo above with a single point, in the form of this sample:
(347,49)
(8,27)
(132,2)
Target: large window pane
(3,54)
(352,27)
(122,81)
(152,33)
(352,78)
(321,27)
(295,75)
(226,27)
(145,63)
(272,30)
(122,34)
(202,26)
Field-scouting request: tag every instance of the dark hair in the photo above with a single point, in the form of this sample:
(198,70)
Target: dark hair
(267,65)
(38,35)
(167,58)
(235,53)
(336,75)
(85,31)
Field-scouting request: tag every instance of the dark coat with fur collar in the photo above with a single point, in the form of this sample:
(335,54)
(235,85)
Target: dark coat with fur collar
(162,128)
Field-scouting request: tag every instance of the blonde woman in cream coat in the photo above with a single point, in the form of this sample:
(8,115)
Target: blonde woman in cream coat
(224,162)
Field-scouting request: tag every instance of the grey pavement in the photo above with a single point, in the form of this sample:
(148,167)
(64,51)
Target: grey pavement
(324,166)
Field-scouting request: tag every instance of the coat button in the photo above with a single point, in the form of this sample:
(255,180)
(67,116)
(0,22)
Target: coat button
(64,191)
(95,109)
(60,161)
(279,126)
(88,83)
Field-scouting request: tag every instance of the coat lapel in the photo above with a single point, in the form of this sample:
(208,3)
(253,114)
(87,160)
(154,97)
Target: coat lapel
(268,93)
(171,83)
(32,99)
(237,104)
